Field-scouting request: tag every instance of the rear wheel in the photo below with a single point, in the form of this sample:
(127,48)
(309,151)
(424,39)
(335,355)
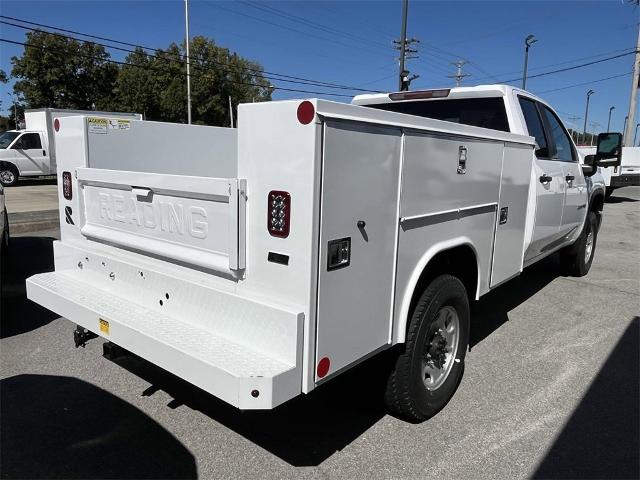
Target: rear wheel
(576,259)
(8,175)
(427,373)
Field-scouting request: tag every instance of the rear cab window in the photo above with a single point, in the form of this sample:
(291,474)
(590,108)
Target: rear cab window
(485,112)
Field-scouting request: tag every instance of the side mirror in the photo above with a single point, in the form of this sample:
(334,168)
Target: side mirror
(609,150)
(589,167)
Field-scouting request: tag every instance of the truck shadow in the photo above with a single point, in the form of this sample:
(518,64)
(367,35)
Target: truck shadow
(304,431)
(27,256)
(619,199)
(493,309)
(26,182)
(62,427)
(600,439)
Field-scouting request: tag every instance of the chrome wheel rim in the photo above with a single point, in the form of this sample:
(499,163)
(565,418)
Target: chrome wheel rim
(589,247)
(7,176)
(440,348)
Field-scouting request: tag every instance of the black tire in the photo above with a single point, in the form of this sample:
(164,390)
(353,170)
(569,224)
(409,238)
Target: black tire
(608,192)
(407,395)
(8,175)
(574,258)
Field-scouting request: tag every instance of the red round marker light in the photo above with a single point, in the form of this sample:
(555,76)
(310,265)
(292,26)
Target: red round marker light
(56,124)
(323,366)
(306,112)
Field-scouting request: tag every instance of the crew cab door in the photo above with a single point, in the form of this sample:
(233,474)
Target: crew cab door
(30,156)
(549,184)
(575,185)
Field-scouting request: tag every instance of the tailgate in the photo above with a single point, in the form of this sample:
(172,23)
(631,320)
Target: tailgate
(197,221)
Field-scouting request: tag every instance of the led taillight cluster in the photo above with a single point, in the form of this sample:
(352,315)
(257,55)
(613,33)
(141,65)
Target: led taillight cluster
(279,208)
(67,188)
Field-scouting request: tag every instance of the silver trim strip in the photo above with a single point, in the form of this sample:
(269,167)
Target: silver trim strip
(454,214)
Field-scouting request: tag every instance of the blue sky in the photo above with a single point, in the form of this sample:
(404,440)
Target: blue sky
(350,42)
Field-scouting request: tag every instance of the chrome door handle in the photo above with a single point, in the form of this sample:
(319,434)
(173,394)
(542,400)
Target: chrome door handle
(545,179)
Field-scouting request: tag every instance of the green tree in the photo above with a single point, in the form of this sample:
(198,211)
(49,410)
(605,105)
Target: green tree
(59,72)
(156,84)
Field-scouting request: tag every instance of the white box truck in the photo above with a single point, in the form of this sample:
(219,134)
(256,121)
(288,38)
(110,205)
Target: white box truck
(31,152)
(332,233)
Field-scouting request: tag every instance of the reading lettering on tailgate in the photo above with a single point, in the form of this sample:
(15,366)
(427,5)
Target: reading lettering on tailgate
(173,217)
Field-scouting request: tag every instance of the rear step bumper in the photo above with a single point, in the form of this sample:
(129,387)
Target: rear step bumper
(238,374)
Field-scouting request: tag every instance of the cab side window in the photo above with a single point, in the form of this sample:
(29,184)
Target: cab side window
(534,126)
(563,151)
(28,141)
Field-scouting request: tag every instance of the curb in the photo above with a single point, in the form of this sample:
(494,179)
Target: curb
(25,222)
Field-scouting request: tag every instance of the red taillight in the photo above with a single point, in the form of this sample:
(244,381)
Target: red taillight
(279,208)
(67,188)
(56,124)
(306,112)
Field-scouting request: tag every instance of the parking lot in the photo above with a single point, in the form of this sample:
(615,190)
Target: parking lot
(551,390)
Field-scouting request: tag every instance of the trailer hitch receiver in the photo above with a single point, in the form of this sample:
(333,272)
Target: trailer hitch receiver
(81,336)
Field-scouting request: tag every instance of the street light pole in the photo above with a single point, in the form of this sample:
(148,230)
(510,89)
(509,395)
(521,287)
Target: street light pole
(624,129)
(635,134)
(609,121)
(530,40)
(586,114)
(187,40)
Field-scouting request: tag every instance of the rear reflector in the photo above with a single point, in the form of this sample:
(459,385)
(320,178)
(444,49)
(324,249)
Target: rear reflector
(56,124)
(279,208)
(323,367)
(420,94)
(306,112)
(67,189)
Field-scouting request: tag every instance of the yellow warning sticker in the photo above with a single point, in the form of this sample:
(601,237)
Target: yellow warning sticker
(104,326)
(97,125)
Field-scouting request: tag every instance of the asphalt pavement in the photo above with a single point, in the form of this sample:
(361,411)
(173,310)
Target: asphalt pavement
(551,390)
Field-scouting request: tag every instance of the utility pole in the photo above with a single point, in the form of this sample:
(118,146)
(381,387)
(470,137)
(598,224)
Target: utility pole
(586,115)
(187,41)
(624,128)
(634,94)
(404,45)
(635,135)
(459,75)
(15,114)
(530,40)
(231,111)
(611,109)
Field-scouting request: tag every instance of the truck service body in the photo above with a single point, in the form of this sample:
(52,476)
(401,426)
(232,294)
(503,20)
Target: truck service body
(259,262)
(31,152)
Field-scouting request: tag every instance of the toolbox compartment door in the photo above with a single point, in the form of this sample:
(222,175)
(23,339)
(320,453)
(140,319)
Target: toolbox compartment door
(196,221)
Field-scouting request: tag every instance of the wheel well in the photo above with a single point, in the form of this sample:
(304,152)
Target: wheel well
(458,261)
(5,164)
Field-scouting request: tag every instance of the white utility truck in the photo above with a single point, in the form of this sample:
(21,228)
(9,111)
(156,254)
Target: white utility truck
(31,152)
(625,175)
(260,262)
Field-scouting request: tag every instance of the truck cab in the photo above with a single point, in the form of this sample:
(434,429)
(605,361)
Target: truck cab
(562,193)
(27,151)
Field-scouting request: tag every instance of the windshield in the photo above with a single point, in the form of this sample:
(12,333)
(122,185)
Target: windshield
(7,137)
(478,112)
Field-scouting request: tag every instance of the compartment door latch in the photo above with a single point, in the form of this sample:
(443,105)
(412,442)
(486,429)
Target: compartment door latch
(462,160)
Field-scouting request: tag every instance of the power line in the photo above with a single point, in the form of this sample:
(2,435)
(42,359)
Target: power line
(584,83)
(560,70)
(542,67)
(264,73)
(107,60)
